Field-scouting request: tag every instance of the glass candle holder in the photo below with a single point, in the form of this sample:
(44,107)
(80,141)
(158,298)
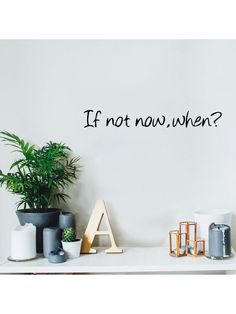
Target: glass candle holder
(177,243)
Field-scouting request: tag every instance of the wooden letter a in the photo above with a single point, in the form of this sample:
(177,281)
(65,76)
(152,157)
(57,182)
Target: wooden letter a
(91,231)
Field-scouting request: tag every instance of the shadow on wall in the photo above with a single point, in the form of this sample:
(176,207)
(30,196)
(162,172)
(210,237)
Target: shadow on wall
(79,205)
(84,195)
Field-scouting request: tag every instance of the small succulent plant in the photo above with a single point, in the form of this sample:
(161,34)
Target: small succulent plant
(69,234)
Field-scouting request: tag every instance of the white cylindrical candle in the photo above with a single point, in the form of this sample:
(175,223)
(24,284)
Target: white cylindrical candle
(23,242)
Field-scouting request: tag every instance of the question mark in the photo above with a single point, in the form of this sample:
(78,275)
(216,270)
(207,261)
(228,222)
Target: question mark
(218,117)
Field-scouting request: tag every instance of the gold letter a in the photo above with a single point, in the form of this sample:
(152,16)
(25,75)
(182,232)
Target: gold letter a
(91,231)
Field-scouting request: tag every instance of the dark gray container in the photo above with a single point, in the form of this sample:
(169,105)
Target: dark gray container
(219,241)
(48,218)
(66,219)
(51,240)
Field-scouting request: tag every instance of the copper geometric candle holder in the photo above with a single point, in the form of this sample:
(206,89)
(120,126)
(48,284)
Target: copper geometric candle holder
(194,247)
(177,243)
(183,242)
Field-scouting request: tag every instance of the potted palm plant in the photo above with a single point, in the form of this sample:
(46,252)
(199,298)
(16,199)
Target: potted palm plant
(39,177)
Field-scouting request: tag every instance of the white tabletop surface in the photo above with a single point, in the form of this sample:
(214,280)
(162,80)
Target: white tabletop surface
(132,260)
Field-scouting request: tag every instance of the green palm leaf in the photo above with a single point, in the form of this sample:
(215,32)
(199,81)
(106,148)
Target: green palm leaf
(41,175)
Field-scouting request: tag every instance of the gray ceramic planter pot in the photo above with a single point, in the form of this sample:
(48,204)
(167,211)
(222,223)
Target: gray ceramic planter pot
(41,220)
(72,249)
(66,219)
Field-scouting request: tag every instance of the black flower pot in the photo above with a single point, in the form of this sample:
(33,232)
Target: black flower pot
(48,218)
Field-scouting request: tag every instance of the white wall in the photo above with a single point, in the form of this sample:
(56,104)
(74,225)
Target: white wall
(150,178)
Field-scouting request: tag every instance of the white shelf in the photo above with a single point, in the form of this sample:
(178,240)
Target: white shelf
(133,260)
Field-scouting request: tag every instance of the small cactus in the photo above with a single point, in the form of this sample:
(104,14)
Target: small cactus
(69,234)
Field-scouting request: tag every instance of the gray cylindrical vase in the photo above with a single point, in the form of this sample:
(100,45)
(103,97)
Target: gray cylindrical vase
(66,219)
(51,240)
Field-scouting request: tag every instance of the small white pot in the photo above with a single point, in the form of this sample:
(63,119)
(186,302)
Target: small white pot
(72,249)
(205,218)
